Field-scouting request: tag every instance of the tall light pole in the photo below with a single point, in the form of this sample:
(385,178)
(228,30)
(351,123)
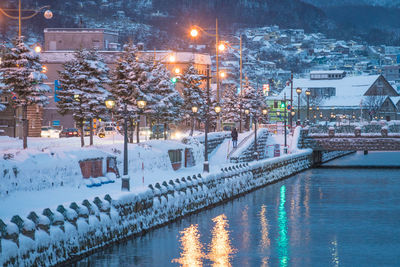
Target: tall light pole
(141,105)
(284,126)
(206,166)
(291,97)
(194,110)
(298,91)
(308,93)
(47,14)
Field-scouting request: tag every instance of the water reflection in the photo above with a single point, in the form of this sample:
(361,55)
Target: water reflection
(283,240)
(335,253)
(221,250)
(265,241)
(192,249)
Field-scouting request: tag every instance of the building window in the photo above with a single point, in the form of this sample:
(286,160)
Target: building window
(275,104)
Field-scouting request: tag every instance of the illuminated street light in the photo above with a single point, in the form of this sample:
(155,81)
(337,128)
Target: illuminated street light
(44,69)
(264,111)
(172,58)
(217,109)
(222,74)
(194,33)
(38,49)
(221,47)
(177,70)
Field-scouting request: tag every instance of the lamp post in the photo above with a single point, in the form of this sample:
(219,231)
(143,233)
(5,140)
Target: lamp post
(110,104)
(194,110)
(47,14)
(218,111)
(308,93)
(298,91)
(141,104)
(247,112)
(206,166)
(284,126)
(125,186)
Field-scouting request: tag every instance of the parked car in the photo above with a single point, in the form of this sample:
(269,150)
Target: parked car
(48,131)
(69,132)
(107,131)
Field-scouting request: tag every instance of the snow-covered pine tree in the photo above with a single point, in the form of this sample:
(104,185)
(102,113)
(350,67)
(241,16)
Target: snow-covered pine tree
(22,75)
(129,78)
(93,79)
(166,100)
(70,100)
(191,92)
(252,100)
(83,93)
(230,107)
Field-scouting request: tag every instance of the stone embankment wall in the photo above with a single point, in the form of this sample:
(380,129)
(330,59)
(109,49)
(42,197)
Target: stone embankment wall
(71,231)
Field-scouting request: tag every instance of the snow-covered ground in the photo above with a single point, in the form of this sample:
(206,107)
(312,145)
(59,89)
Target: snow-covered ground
(157,168)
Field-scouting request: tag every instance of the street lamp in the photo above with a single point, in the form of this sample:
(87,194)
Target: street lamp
(47,14)
(141,104)
(218,111)
(298,91)
(264,111)
(110,104)
(194,110)
(308,93)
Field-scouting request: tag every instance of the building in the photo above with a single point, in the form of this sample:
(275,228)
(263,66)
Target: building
(370,96)
(53,60)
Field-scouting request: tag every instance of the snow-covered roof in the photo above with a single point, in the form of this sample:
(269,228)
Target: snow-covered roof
(349,90)
(111,56)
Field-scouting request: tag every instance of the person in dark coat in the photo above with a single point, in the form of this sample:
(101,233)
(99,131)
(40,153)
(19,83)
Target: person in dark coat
(234,135)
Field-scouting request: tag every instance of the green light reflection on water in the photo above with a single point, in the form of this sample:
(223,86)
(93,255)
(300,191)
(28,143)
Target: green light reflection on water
(283,239)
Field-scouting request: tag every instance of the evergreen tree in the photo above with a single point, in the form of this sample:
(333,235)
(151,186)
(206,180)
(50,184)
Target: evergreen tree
(84,78)
(253,100)
(22,75)
(165,100)
(192,93)
(230,107)
(129,80)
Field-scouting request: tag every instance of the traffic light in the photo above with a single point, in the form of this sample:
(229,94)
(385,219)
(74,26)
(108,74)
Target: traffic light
(283,104)
(174,79)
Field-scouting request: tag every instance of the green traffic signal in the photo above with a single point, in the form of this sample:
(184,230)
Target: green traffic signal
(283,105)
(174,80)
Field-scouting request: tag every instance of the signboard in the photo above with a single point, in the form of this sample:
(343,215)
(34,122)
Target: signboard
(56,88)
(289,107)
(56,123)
(277,150)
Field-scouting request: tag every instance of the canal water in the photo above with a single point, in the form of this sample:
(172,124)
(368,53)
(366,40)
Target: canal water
(320,217)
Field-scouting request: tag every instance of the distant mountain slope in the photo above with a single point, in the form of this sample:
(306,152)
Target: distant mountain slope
(337,3)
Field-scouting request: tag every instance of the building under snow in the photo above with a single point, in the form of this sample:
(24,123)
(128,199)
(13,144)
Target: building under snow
(335,94)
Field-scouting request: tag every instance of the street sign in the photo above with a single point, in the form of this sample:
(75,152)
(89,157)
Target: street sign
(289,107)
(56,88)
(56,123)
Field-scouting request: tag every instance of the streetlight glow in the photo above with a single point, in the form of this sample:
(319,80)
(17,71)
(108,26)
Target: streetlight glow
(195,109)
(44,69)
(172,58)
(110,103)
(247,112)
(141,104)
(217,109)
(177,70)
(221,47)
(222,74)
(48,14)
(194,32)
(264,111)
(38,49)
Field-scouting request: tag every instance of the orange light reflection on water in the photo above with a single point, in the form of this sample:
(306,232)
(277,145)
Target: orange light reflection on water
(192,254)
(220,251)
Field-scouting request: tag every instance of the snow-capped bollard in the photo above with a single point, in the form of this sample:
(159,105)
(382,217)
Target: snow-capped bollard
(357,132)
(384,131)
(331,132)
(125,183)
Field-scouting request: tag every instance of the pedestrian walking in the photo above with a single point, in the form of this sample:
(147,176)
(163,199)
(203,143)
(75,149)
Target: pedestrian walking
(234,135)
